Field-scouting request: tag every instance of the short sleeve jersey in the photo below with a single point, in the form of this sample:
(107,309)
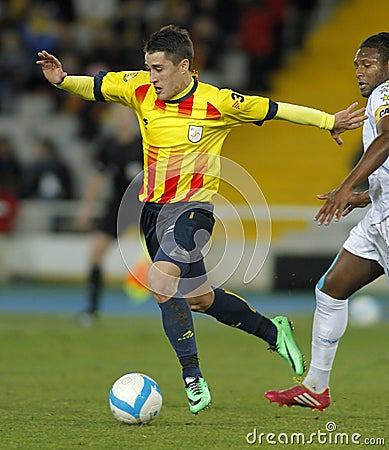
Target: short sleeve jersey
(377,108)
(182,138)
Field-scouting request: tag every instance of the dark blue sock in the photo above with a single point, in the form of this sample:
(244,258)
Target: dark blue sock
(178,325)
(234,311)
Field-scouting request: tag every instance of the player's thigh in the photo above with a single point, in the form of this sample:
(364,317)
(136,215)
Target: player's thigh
(348,274)
(193,229)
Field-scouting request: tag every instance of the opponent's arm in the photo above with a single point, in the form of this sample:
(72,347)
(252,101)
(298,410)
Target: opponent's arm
(374,157)
(347,119)
(54,73)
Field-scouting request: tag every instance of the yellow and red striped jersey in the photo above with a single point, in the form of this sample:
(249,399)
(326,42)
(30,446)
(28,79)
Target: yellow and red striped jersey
(183,137)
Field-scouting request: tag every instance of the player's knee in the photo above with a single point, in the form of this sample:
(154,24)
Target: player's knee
(162,285)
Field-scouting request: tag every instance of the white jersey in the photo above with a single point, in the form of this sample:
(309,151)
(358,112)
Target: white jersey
(377,107)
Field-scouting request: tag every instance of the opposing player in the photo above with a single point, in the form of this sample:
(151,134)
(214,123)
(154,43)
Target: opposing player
(364,256)
(184,123)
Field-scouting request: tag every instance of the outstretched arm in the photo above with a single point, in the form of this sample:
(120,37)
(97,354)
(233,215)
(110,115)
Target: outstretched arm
(347,119)
(52,70)
(338,199)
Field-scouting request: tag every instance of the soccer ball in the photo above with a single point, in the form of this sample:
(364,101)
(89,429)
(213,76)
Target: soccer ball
(364,311)
(135,398)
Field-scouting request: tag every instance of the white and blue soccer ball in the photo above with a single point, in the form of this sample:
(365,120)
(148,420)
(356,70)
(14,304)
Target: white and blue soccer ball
(135,398)
(364,311)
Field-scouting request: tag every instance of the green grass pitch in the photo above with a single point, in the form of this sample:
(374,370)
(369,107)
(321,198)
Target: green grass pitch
(55,377)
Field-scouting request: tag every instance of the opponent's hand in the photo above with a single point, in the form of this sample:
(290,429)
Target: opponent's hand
(348,119)
(51,67)
(356,200)
(336,202)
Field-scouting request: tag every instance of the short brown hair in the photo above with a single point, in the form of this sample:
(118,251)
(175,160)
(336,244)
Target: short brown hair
(174,41)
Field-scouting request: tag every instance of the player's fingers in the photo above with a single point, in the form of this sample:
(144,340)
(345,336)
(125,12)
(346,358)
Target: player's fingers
(322,196)
(357,112)
(338,214)
(354,125)
(352,106)
(357,119)
(327,219)
(317,217)
(320,216)
(327,213)
(323,218)
(347,210)
(336,137)
(48,57)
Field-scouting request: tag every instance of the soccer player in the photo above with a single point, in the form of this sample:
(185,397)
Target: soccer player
(184,123)
(364,256)
(119,159)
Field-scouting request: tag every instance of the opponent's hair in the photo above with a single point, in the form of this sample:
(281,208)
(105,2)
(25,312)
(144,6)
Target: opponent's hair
(379,41)
(174,41)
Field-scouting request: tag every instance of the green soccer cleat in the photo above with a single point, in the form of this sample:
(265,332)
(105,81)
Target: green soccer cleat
(198,394)
(286,346)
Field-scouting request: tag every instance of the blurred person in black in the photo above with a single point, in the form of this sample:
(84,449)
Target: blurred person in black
(47,177)
(118,159)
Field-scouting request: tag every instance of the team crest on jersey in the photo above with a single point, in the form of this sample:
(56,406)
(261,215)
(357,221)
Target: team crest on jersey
(195,133)
(129,76)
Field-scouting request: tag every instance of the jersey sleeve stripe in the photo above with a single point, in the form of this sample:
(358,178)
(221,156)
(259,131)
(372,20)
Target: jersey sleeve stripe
(271,113)
(97,84)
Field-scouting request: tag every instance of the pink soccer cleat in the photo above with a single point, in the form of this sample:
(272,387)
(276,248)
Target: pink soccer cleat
(301,396)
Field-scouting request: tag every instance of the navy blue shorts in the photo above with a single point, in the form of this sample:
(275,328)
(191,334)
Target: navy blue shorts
(178,232)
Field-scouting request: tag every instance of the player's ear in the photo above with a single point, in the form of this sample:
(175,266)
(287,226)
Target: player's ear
(184,65)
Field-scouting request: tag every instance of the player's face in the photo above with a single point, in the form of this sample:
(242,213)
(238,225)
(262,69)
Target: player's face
(370,70)
(168,79)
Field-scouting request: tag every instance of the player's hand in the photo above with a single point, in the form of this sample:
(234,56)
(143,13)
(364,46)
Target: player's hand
(51,67)
(348,119)
(336,203)
(356,200)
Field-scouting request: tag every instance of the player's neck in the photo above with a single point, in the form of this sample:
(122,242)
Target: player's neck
(186,90)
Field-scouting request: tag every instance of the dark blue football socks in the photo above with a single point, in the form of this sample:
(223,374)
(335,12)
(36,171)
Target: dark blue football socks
(178,325)
(234,311)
